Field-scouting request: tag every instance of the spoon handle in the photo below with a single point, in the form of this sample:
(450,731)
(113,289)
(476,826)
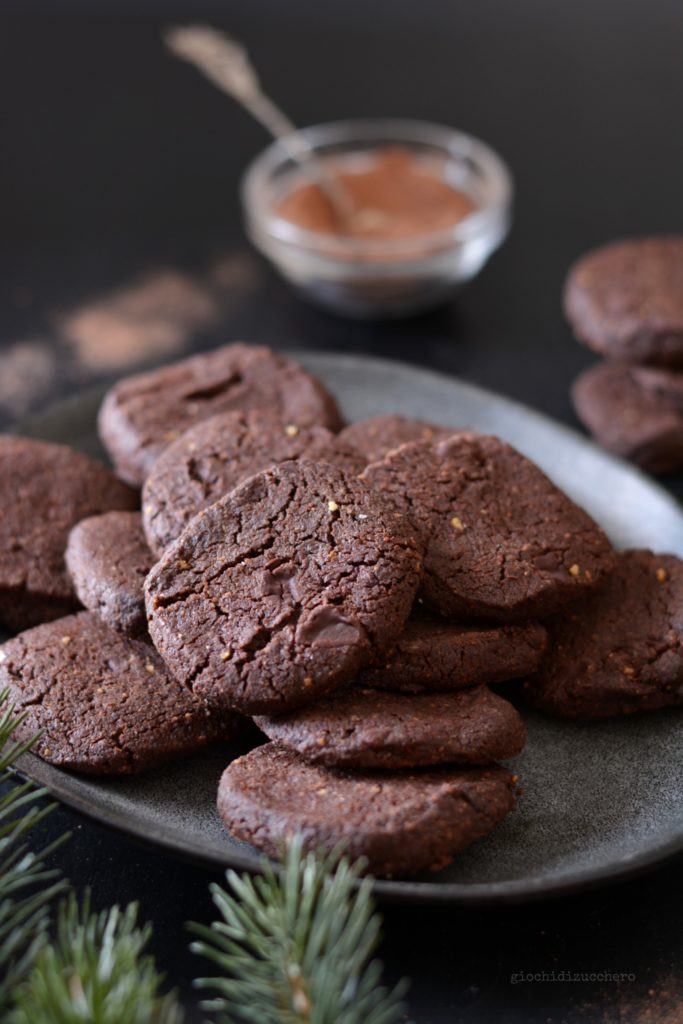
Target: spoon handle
(225,62)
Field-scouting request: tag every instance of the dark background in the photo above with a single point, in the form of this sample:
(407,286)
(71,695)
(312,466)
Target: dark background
(116,160)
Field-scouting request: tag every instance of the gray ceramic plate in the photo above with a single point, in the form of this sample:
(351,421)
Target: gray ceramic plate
(601,800)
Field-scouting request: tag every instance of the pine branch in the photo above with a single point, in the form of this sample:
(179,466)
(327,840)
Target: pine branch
(26,886)
(295,948)
(95,973)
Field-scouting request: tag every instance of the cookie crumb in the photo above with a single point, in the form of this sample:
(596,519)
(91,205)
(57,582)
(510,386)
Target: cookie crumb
(66,640)
(333,506)
(456,523)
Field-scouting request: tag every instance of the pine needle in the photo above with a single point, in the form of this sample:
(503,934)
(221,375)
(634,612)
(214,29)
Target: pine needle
(95,973)
(295,948)
(27,887)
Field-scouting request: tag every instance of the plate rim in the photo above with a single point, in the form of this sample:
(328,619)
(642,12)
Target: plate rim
(510,892)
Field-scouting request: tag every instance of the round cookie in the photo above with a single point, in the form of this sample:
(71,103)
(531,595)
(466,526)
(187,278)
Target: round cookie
(501,542)
(282,590)
(401,823)
(108,558)
(436,654)
(625,300)
(105,704)
(142,414)
(46,489)
(374,437)
(363,728)
(635,411)
(621,649)
(214,456)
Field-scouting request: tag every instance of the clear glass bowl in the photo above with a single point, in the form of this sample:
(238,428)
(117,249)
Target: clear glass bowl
(375,278)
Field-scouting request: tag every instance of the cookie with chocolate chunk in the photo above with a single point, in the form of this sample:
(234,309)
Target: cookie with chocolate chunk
(621,649)
(635,411)
(141,415)
(501,541)
(282,590)
(374,437)
(108,558)
(105,703)
(625,300)
(214,456)
(46,489)
(401,823)
(363,728)
(437,654)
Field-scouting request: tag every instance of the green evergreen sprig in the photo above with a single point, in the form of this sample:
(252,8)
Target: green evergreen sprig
(27,887)
(295,947)
(95,973)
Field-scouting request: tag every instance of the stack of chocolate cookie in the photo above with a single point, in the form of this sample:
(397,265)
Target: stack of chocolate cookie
(355,591)
(625,301)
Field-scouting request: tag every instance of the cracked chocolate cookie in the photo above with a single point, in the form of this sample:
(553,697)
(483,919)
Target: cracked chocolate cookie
(436,654)
(635,411)
(364,728)
(46,488)
(621,649)
(625,300)
(217,454)
(141,415)
(402,823)
(501,542)
(375,437)
(282,590)
(108,558)
(105,704)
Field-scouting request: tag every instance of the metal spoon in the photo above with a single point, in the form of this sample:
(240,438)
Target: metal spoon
(225,62)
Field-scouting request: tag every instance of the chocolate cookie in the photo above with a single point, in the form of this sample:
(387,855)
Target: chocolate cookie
(143,414)
(363,728)
(217,454)
(105,704)
(501,541)
(46,489)
(621,649)
(375,437)
(284,589)
(635,411)
(436,654)
(625,300)
(402,823)
(108,558)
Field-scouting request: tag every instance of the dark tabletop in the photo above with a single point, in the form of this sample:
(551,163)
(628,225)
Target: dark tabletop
(119,165)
